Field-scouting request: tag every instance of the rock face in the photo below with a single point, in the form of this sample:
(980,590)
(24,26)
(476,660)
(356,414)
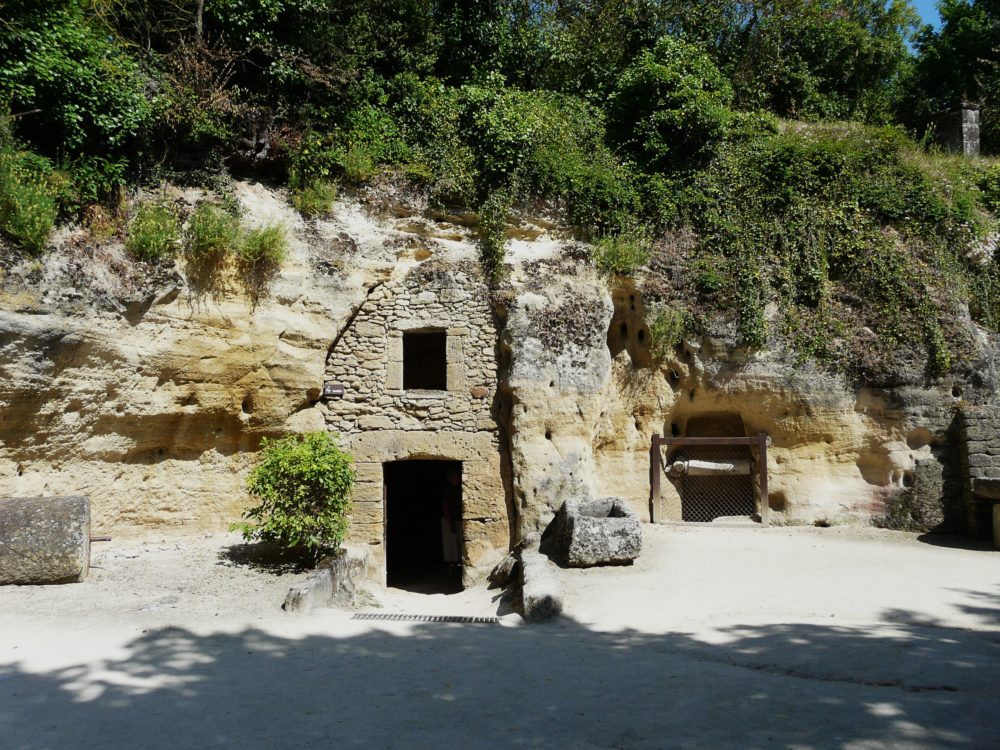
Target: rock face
(44,540)
(598,532)
(149,388)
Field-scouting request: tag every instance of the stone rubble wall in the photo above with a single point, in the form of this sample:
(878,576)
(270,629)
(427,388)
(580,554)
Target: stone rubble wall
(979,451)
(379,421)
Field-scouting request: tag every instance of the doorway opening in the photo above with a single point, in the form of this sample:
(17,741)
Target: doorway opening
(423,525)
(706,498)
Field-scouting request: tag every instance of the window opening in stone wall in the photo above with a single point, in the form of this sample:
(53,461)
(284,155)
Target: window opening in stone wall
(423,532)
(425,360)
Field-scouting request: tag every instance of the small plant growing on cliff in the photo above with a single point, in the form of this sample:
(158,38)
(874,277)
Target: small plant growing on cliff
(154,232)
(493,232)
(28,205)
(621,254)
(303,487)
(667,327)
(314,198)
(211,232)
(259,258)
(263,248)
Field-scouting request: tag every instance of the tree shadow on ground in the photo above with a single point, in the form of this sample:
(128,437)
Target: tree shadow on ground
(265,558)
(430,685)
(954,541)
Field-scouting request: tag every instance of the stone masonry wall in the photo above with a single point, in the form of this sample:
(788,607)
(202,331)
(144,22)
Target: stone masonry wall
(979,456)
(380,421)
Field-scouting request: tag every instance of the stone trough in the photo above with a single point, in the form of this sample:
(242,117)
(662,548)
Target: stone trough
(598,532)
(44,540)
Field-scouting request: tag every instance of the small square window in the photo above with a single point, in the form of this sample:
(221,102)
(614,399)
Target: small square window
(425,360)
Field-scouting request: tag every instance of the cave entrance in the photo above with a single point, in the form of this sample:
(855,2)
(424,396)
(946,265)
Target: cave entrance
(423,525)
(706,498)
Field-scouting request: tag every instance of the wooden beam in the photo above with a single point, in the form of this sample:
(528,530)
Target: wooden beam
(654,479)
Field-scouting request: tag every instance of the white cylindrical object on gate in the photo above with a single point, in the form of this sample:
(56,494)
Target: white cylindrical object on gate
(695,468)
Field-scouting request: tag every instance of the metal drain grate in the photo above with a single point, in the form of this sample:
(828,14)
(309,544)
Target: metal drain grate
(425,618)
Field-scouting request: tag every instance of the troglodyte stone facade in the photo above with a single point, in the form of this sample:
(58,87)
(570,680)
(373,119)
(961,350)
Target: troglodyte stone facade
(380,421)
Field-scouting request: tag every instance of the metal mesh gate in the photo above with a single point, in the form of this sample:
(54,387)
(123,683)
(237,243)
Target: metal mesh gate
(707,497)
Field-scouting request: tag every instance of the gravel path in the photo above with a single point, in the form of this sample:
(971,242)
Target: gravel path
(715,638)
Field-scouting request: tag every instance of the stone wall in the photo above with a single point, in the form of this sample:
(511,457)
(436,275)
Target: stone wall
(380,421)
(979,456)
(958,129)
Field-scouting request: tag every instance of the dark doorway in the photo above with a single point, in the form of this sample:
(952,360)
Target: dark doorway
(425,360)
(423,525)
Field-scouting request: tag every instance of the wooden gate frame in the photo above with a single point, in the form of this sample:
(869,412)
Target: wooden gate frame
(655,469)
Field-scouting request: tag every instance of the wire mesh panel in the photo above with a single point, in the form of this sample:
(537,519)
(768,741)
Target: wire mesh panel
(705,498)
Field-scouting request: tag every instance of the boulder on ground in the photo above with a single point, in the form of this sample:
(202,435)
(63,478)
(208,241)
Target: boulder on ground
(598,532)
(44,540)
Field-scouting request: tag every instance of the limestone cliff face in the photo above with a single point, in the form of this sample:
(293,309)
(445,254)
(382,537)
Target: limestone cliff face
(126,383)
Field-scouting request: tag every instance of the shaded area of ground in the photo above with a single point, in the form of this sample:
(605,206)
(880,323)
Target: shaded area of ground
(715,638)
(791,685)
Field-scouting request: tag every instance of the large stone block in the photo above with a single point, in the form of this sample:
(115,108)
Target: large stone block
(598,532)
(44,540)
(541,592)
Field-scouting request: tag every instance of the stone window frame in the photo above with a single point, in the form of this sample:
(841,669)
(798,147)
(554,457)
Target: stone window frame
(455,375)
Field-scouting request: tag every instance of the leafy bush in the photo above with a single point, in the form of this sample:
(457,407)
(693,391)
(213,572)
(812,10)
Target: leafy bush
(429,115)
(989,183)
(358,163)
(95,178)
(154,232)
(28,204)
(621,254)
(542,144)
(259,258)
(493,232)
(670,105)
(264,248)
(315,198)
(667,327)
(89,91)
(302,486)
(211,232)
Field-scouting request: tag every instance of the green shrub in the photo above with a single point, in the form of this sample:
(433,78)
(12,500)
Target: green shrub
(88,90)
(302,487)
(671,105)
(358,163)
(211,233)
(989,183)
(621,254)
(154,232)
(429,115)
(667,327)
(28,205)
(263,248)
(314,198)
(493,233)
(259,259)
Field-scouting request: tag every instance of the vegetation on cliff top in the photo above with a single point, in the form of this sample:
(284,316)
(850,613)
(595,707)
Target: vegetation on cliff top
(792,137)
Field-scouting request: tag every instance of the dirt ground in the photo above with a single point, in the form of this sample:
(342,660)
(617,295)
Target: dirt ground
(717,637)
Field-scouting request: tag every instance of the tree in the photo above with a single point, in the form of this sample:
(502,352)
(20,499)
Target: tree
(961,61)
(670,106)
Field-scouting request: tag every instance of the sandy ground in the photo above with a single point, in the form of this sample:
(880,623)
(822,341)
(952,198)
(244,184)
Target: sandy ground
(715,638)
